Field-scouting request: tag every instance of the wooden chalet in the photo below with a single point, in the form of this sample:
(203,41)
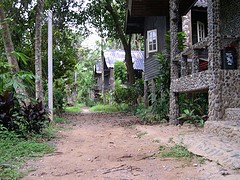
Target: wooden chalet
(110,57)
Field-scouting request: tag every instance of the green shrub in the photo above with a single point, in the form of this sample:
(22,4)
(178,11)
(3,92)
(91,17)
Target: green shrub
(120,71)
(160,106)
(9,111)
(22,119)
(34,118)
(190,117)
(122,94)
(59,95)
(88,102)
(193,108)
(11,80)
(196,101)
(147,116)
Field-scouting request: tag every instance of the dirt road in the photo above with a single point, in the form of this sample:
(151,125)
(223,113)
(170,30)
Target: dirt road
(116,146)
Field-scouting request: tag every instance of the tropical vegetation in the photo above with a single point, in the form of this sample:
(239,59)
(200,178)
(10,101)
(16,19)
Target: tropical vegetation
(24,115)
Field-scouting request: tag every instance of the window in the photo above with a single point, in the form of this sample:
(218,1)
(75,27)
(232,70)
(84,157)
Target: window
(200,31)
(152,40)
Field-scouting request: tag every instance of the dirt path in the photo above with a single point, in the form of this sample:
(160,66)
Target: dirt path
(116,146)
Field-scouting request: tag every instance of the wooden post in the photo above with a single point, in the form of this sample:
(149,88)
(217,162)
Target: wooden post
(146,88)
(111,80)
(153,88)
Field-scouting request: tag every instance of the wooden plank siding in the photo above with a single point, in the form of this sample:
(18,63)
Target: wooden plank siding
(151,65)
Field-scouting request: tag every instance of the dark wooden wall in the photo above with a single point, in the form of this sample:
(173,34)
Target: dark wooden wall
(199,14)
(151,65)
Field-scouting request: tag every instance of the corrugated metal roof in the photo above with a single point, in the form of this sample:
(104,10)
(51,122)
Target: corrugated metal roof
(201,3)
(111,56)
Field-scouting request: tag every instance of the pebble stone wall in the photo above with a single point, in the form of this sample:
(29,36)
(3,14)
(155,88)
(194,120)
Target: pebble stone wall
(231,89)
(232,114)
(230,17)
(193,82)
(224,129)
(175,17)
(223,85)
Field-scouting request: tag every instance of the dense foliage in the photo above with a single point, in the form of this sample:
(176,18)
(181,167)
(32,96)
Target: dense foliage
(85,72)
(108,18)
(127,94)
(120,71)
(193,108)
(24,120)
(160,104)
(67,21)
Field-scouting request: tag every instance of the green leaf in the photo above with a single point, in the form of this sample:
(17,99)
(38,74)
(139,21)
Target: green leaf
(20,56)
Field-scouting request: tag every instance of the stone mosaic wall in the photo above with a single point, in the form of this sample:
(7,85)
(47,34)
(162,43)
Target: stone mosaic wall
(223,85)
(186,27)
(215,100)
(193,82)
(174,19)
(224,129)
(230,17)
(231,89)
(232,114)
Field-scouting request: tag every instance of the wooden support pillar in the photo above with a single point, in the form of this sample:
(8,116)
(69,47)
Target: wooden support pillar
(146,89)
(153,88)
(111,80)
(174,20)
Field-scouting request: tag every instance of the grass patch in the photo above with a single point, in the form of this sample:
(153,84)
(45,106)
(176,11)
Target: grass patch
(15,151)
(176,151)
(109,108)
(60,120)
(74,109)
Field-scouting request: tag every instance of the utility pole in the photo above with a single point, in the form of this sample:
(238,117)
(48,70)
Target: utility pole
(50,65)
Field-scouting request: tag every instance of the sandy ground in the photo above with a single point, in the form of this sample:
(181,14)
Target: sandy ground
(117,146)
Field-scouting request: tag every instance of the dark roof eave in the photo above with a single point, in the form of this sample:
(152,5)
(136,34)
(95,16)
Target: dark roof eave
(134,25)
(142,8)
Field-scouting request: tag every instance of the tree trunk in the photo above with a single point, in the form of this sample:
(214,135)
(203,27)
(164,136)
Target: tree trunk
(38,59)
(129,64)
(126,46)
(8,44)
(103,80)
(9,48)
